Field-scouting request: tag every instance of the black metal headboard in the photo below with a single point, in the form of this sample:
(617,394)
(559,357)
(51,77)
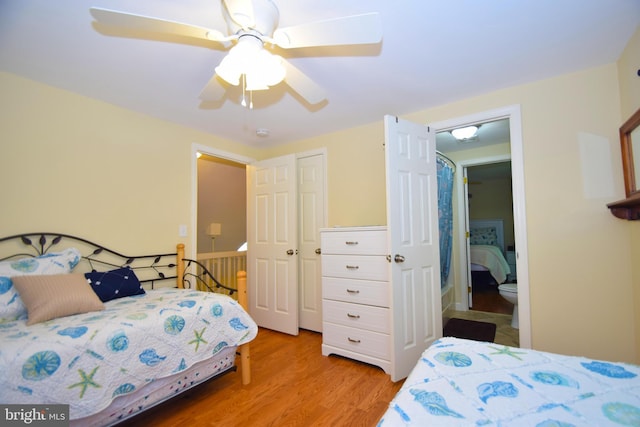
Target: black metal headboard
(148,268)
(95,257)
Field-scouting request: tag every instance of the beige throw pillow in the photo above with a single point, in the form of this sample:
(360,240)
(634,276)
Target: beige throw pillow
(50,296)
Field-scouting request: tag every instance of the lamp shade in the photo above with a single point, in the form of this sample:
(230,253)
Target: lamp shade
(214,229)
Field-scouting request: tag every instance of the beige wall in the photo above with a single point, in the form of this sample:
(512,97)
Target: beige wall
(579,275)
(74,165)
(356,174)
(490,199)
(628,69)
(54,142)
(222,199)
(579,262)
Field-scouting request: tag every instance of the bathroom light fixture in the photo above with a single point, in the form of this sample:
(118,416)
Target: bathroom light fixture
(250,62)
(464,133)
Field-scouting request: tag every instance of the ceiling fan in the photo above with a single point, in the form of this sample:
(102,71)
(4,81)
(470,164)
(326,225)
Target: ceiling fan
(252,29)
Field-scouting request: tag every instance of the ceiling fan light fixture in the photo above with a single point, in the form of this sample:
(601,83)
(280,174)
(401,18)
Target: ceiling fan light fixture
(464,133)
(248,57)
(228,71)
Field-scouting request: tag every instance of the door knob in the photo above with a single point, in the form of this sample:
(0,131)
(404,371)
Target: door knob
(398,258)
(318,251)
(290,252)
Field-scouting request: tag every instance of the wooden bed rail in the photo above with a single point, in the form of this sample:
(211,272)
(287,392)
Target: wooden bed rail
(245,364)
(244,349)
(180,265)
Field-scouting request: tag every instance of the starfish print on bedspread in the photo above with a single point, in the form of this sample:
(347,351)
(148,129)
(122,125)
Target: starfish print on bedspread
(198,339)
(87,380)
(507,351)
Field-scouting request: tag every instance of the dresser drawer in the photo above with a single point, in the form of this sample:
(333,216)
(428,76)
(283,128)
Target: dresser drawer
(356,315)
(365,267)
(370,242)
(356,291)
(361,341)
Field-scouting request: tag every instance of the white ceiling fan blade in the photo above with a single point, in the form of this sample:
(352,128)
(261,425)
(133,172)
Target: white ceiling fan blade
(157,25)
(356,29)
(213,91)
(241,12)
(303,85)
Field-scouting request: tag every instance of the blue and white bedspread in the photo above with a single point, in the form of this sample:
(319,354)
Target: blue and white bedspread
(469,383)
(87,360)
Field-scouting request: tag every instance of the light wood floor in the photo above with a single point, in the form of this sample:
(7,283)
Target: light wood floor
(292,385)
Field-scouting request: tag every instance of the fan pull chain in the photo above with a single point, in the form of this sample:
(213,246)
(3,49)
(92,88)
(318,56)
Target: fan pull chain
(244,93)
(244,85)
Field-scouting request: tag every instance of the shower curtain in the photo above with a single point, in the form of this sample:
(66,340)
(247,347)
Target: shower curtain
(445,217)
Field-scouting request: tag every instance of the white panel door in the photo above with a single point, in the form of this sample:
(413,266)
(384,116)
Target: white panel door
(272,244)
(412,216)
(311,217)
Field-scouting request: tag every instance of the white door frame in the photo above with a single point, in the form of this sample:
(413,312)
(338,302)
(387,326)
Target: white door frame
(511,112)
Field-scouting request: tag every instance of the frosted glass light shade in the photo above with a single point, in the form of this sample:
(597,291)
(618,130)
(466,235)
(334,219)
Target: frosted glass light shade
(465,132)
(248,57)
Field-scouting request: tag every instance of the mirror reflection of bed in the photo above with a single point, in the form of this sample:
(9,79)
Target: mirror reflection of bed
(492,265)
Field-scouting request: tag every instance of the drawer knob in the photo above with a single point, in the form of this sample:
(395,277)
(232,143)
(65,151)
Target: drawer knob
(353,316)
(352,267)
(353,340)
(353,291)
(351,242)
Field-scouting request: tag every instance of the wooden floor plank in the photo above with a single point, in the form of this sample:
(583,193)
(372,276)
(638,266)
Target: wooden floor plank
(292,384)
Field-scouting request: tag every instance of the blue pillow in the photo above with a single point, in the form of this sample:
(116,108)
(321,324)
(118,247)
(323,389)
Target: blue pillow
(113,284)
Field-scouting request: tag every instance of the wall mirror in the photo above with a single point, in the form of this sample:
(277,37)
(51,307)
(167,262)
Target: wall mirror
(630,144)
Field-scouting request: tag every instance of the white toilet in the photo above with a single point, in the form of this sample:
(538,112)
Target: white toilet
(509,291)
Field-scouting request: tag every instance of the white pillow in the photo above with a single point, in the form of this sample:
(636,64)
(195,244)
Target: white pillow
(11,306)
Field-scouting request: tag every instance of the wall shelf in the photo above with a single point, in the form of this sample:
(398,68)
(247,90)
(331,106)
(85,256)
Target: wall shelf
(628,208)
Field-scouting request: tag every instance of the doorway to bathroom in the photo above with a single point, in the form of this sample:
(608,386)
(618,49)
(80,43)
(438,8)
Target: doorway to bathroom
(479,152)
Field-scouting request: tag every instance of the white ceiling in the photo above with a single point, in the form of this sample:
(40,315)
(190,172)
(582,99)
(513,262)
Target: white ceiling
(433,52)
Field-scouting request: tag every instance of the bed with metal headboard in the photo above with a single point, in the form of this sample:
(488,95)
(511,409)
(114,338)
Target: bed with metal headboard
(110,334)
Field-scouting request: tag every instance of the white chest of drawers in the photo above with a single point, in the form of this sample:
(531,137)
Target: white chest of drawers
(356,294)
